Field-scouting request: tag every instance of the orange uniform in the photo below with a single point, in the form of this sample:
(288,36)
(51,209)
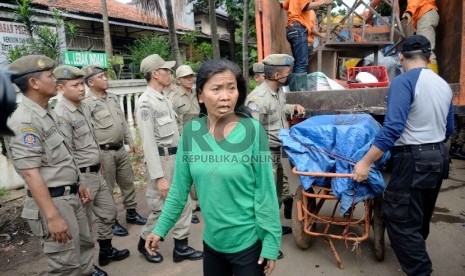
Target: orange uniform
(311,26)
(295,14)
(417,8)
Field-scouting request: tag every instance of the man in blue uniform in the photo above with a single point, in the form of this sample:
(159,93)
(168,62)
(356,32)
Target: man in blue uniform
(419,119)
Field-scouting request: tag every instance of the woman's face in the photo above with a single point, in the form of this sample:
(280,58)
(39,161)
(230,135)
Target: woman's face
(219,94)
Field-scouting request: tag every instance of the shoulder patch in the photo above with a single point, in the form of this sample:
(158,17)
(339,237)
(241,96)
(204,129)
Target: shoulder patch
(25,130)
(30,139)
(254,106)
(145,114)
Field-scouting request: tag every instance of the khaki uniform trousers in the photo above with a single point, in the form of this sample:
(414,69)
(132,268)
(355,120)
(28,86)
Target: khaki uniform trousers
(102,204)
(426,26)
(278,173)
(73,258)
(155,203)
(117,168)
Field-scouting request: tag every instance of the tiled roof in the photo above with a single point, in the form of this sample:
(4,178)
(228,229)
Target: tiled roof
(116,10)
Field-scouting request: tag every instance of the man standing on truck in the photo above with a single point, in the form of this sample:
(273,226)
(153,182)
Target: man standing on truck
(424,16)
(299,25)
(268,105)
(419,119)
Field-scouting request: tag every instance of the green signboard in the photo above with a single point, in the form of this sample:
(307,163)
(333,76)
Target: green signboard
(81,59)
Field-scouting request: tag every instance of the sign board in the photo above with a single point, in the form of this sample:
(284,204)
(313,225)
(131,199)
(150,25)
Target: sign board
(11,34)
(80,59)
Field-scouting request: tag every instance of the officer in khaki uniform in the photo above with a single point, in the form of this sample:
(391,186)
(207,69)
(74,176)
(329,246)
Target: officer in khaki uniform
(186,106)
(112,130)
(54,203)
(156,121)
(258,72)
(75,122)
(268,105)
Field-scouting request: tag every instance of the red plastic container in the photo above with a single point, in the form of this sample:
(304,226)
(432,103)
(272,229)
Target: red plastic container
(378,71)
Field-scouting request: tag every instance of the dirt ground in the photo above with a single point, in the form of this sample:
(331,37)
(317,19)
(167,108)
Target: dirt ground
(21,254)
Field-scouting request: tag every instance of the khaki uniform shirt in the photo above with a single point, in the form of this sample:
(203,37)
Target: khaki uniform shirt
(76,124)
(108,119)
(157,126)
(39,143)
(270,108)
(186,106)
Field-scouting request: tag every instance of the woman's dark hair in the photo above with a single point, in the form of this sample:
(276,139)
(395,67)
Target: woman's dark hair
(215,66)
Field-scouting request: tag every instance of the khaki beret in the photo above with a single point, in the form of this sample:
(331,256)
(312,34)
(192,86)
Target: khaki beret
(184,70)
(279,60)
(92,70)
(66,72)
(31,64)
(258,67)
(155,62)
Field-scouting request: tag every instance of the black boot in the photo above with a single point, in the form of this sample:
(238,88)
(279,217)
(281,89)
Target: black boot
(108,253)
(182,251)
(119,230)
(456,152)
(280,255)
(286,230)
(98,272)
(134,218)
(288,207)
(157,258)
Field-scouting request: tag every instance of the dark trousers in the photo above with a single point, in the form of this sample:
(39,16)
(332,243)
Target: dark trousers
(297,35)
(408,204)
(243,263)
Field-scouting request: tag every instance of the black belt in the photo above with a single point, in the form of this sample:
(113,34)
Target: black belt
(162,151)
(60,191)
(111,146)
(278,148)
(295,24)
(410,148)
(92,169)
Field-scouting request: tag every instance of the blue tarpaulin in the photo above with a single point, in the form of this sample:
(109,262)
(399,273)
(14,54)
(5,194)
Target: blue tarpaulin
(334,143)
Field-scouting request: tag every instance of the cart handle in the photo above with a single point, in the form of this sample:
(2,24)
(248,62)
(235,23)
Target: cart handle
(322,174)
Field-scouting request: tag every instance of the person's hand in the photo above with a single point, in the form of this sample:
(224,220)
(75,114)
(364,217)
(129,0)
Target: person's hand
(151,243)
(58,230)
(361,171)
(407,16)
(163,186)
(300,110)
(269,265)
(84,194)
(133,148)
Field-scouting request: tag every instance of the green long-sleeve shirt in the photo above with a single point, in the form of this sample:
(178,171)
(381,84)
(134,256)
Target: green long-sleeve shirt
(235,187)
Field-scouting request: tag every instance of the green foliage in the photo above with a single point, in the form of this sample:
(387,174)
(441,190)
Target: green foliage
(43,40)
(190,37)
(25,14)
(146,46)
(47,43)
(17,52)
(204,51)
(252,84)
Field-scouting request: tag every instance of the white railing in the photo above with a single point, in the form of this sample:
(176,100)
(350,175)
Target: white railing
(129,90)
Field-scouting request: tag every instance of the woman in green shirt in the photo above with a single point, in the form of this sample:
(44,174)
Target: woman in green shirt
(226,154)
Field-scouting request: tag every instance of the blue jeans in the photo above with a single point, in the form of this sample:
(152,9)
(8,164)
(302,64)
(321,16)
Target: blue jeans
(297,36)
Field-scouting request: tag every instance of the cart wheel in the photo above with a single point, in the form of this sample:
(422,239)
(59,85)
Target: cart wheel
(378,230)
(302,239)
